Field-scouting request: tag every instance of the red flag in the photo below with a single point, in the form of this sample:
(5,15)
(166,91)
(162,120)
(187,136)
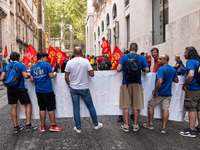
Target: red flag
(116,57)
(5,52)
(60,57)
(52,56)
(31,55)
(109,53)
(104,46)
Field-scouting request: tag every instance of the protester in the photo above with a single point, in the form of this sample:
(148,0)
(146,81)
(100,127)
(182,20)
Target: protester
(69,57)
(179,66)
(142,53)
(92,61)
(155,55)
(131,92)
(41,74)
(95,63)
(162,92)
(99,60)
(77,73)
(192,91)
(18,93)
(148,58)
(105,64)
(88,58)
(64,65)
(4,62)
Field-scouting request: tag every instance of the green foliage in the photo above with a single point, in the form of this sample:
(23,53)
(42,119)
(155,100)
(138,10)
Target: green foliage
(73,12)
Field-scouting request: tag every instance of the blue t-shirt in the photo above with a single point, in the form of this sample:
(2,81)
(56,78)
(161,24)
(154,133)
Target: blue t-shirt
(20,68)
(167,73)
(192,64)
(124,61)
(40,73)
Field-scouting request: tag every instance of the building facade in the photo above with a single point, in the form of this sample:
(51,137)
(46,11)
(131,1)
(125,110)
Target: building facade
(166,24)
(68,40)
(21,24)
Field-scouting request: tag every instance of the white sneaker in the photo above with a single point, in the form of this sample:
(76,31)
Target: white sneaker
(99,126)
(77,130)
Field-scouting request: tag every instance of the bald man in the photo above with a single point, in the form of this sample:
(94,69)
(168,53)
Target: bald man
(179,66)
(77,73)
(162,92)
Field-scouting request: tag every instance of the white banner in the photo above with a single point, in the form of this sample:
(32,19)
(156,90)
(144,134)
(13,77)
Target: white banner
(105,90)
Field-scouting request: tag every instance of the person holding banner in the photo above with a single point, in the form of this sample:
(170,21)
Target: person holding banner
(131,92)
(162,92)
(41,74)
(77,73)
(192,91)
(18,93)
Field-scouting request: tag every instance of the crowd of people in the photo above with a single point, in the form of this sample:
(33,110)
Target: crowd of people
(77,70)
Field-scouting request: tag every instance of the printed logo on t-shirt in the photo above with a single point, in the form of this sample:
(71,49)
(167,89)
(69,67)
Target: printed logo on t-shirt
(38,73)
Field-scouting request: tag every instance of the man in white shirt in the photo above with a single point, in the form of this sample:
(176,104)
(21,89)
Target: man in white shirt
(77,73)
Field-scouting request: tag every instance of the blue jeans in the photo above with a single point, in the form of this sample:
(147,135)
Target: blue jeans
(86,96)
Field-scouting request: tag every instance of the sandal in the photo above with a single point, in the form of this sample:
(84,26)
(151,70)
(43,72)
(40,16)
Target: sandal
(125,128)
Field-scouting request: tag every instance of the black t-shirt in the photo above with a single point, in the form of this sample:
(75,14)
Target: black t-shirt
(179,62)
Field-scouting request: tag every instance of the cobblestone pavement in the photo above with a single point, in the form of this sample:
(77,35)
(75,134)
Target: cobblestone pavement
(110,137)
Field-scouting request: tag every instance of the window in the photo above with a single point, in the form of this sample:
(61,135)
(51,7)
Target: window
(18,8)
(19,30)
(128,29)
(66,37)
(107,20)
(98,31)
(75,45)
(126,2)
(94,36)
(160,19)
(23,12)
(66,46)
(114,11)
(102,26)
(67,29)
(28,19)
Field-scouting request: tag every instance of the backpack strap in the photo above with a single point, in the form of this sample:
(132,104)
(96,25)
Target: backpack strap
(137,56)
(129,56)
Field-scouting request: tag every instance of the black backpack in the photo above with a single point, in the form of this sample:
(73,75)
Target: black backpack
(133,71)
(104,66)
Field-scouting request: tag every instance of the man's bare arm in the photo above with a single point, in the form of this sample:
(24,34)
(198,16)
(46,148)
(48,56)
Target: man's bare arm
(188,79)
(158,86)
(25,75)
(119,68)
(91,73)
(67,78)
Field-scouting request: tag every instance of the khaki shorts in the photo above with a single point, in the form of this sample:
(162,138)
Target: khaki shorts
(165,101)
(192,101)
(132,94)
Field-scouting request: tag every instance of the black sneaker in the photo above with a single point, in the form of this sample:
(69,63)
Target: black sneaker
(31,127)
(120,118)
(197,129)
(188,133)
(17,129)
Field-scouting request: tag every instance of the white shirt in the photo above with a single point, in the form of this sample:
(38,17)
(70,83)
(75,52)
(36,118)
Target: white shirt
(78,68)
